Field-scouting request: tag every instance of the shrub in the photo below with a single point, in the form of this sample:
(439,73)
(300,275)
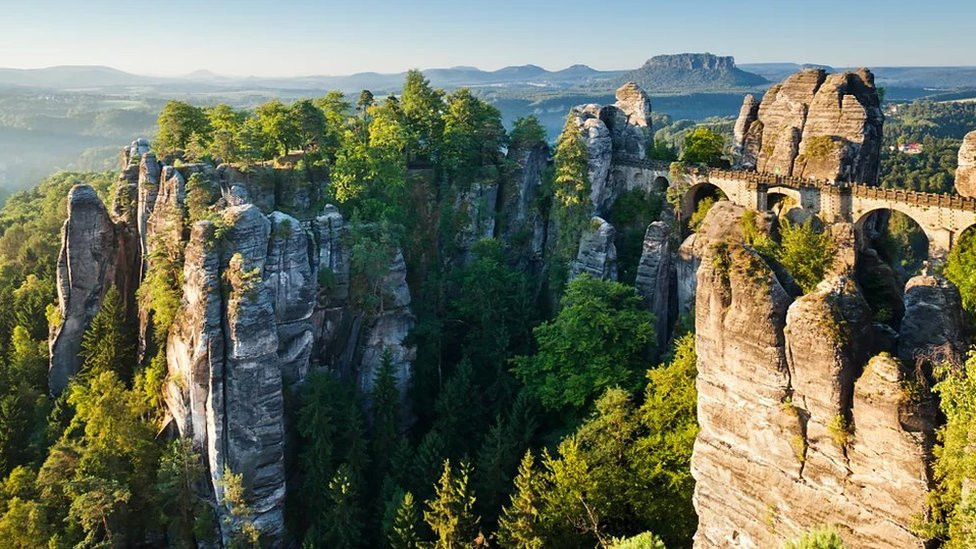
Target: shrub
(840,430)
(818,538)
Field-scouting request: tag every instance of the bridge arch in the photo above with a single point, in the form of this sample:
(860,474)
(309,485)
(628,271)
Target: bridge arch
(698,192)
(660,184)
(871,222)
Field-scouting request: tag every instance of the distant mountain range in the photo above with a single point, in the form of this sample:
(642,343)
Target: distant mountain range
(663,74)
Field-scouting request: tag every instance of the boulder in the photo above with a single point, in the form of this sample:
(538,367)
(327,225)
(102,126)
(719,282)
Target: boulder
(629,123)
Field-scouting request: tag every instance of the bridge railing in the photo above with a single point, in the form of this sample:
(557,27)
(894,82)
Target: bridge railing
(916,198)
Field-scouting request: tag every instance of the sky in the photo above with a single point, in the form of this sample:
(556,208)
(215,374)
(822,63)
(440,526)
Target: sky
(307,37)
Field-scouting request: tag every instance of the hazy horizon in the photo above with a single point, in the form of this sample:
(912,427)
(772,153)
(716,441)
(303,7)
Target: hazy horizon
(302,37)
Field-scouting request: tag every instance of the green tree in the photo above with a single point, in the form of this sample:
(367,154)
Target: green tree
(571,195)
(109,343)
(704,146)
(805,253)
(178,123)
(423,107)
(309,123)
(473,137)
(953,507)
(337,111)
(450,514)
(599,339)
(226,124)
(404,532)
(960,268)
(343,517)
(527,132)
(520,525)
(187,516)
(364,102)
(278,126)
(240,517)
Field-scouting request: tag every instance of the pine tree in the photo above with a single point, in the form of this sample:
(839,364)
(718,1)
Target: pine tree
(450,513)
(386,417)
(404,535)
(571,187)
(343,518)
(109,343)
(493,474)
(519,526)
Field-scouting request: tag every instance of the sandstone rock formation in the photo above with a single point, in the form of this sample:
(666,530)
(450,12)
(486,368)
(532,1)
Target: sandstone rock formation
(86,271)
(814,125)
(597,254)
(747,135)
(933,327)
(654,277)
(966,170)
(618,133)
(599,147)
(265,299)
(800,426)
(523,224)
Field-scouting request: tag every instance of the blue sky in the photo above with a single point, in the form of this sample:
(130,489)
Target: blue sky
(301,37)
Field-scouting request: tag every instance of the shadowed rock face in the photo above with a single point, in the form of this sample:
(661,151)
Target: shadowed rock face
(597,254)
(813,125)
(800,426)
(966,170)
(654,276)
(86,270)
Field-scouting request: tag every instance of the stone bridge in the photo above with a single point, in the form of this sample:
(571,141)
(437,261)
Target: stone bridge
(943,217)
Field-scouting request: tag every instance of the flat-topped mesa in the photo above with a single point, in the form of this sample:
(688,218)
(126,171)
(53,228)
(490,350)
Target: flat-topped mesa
(966,170)
(813,125)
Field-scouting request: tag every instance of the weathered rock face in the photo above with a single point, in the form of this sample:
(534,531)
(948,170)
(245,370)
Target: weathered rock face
(599,147)
(265,299)
(747,135)
(618,133)
(966,170)
(799,426)
(476,211)
(387,331)
(814,125)
(654,275)
(723,222)
(597,255)
(629,123)
(225,388)
(290,278)
(86,270)
(932,328)
(524,228)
